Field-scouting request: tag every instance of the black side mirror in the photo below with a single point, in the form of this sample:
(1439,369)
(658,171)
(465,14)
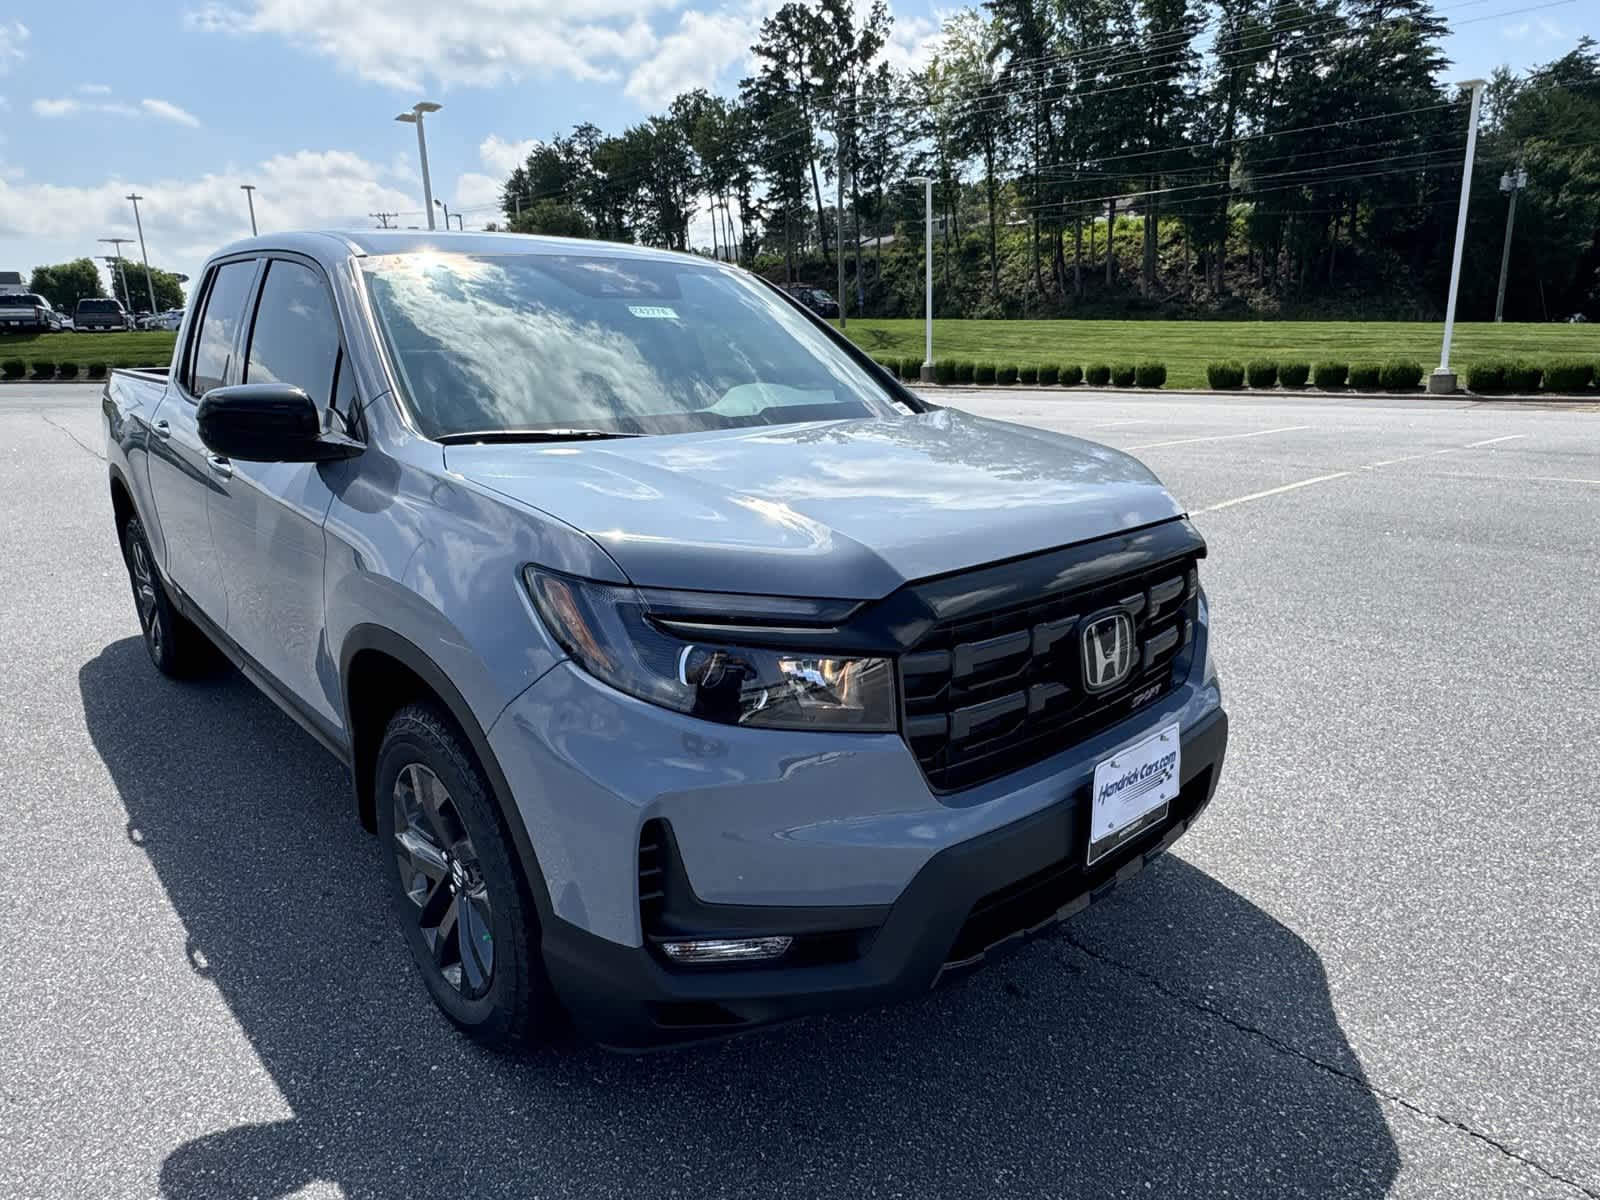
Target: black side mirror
(268,422)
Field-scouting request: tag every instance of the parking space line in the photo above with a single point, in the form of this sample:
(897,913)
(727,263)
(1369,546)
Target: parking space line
(1510,437)
(1288,487)
(1221,437)
(1117,424)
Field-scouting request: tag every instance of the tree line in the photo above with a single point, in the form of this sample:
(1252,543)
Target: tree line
(64,284)
(1109,155)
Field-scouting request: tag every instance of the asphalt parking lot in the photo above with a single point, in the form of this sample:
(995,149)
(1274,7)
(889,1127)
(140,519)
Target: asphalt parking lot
(1372,970)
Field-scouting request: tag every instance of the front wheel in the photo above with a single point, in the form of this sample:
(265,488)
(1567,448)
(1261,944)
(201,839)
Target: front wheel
(466,915)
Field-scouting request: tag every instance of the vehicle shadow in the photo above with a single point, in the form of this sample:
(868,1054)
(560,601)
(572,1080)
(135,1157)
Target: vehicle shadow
(1057,1072)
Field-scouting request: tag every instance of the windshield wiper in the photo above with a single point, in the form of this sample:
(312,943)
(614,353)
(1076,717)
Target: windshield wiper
(530,435)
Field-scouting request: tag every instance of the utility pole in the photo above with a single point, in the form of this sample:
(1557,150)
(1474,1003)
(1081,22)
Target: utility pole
(1443,379)
(926,181)
(139,225)
(839,232)
(414,117)
(116,245)
(382,218)
(249,190)
(1511,183)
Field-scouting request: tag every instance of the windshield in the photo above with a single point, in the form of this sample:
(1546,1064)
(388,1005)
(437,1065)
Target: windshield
(94,306)
(26,300)
(614,344)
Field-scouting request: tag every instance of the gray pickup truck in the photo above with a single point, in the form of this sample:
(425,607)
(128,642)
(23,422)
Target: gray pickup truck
(693,673)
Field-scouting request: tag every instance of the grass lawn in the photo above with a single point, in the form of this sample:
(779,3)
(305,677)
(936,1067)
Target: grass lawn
(146,348)
(1187,346)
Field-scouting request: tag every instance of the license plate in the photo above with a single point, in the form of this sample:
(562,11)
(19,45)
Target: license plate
(1132,790)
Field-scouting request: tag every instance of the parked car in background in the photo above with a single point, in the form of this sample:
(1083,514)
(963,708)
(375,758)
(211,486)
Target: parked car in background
(31,312)
(693,672)
(100,313)
(170,319)
(814,298)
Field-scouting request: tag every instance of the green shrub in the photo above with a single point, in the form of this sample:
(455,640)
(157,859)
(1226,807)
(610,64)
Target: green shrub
(1006,374)
(1294,374)
(944,370)
(97,370)
(1049,376)
(1261,373)
(1122,374)
(13,368)
(1486,377)
(1400,375)
(965,370)
(1096,375)
(1072,376)
(1365,375)
(983,373)
(1568,376)
(1150,374)
(1224,376)
(1331,375)
(1027,374)
(67,370)
(43,370)
(1523,376)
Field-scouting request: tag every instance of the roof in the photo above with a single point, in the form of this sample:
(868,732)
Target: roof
(327,243)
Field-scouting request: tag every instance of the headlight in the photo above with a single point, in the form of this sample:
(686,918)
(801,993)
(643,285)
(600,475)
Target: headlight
(609,632)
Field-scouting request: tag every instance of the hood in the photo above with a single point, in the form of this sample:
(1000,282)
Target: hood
(844,509)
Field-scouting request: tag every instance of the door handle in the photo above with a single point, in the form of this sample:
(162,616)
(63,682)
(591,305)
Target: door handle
(220,466)
(162,430)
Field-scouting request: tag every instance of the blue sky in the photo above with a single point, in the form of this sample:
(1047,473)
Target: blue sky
(183,101)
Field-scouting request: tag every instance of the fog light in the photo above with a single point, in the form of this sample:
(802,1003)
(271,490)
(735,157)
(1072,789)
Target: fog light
(726,950)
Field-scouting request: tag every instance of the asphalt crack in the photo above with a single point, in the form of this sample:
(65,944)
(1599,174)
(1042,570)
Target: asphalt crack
(79,442)
(1282,1047)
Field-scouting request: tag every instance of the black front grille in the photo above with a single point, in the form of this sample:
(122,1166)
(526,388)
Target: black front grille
(652,872)
(986,694)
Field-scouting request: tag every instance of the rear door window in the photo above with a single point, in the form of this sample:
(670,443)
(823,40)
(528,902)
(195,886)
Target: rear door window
(295,339)
(219,326)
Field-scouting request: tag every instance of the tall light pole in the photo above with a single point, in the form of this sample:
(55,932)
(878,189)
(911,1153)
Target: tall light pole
(839,154)
(414,117)
(139,225)
(1443,380)
(1511,182)
(116,245)
(927,283)
(249,190)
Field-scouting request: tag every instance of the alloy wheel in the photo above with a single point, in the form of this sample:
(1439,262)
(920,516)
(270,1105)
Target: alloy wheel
(440,872)
(144,594)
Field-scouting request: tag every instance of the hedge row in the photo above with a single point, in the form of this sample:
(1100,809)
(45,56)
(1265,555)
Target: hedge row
(961,370)
(1402,376)
(17,368)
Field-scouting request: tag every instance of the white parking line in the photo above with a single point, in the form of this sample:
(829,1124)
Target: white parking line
(1288,487)
(1116,424)
(1221,437)
(1510,437)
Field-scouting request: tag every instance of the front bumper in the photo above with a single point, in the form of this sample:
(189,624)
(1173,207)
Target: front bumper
(967,902)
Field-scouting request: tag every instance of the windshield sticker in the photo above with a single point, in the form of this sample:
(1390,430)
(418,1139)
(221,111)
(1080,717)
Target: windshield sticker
(657,311)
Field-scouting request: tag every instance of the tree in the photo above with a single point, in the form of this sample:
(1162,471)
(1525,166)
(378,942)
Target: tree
(169,291)
(982,116)
(64,284)
(790,47)
(553,219)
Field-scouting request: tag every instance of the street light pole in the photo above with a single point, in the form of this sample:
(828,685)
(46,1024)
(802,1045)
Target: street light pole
(139,225)
(839,237)
(1443,380)
(249,190)
(446,208)
(926,181)
(1511,182)
(414,117)
(117,269)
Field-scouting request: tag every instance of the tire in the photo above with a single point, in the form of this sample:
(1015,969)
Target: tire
(453,878)
(175,644)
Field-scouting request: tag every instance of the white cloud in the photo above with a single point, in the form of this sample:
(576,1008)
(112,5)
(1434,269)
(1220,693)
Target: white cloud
(696,54)
(186,219)
(12,35)
(912,43)
(93,89)
(410,43)
(497,154)
(477,193)
(167,111)
(1542,30)
(71,106)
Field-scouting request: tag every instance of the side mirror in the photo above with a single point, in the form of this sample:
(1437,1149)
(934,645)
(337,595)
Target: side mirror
(268,422)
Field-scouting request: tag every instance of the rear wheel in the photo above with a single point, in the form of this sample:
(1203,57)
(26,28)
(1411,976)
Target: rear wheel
(465,912)
(175,645)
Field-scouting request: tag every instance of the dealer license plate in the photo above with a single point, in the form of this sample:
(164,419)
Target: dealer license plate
(1132,790)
